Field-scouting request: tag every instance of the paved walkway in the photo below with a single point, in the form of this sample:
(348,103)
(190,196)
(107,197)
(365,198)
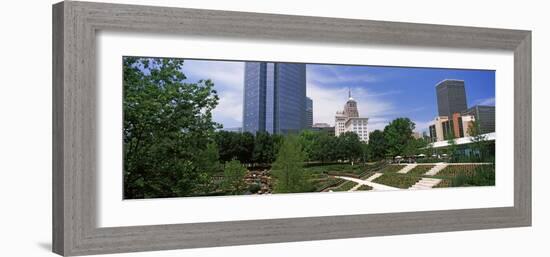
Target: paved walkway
(426,183)
(407,168)
(375,186)
(436,169)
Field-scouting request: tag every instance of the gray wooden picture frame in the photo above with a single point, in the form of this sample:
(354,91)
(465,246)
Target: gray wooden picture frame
(75,25)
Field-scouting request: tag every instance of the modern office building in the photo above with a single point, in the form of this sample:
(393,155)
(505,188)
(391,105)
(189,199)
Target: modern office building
(485,117)
(443,128)
(309,112)
(455,119)
(274,97)
(234,129)
(349,120)
(451,97)
(323,127)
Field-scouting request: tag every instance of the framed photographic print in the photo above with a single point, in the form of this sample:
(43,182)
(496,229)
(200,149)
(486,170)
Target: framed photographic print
(183,128)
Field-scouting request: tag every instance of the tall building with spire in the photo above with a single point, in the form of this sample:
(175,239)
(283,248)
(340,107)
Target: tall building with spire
(348,120)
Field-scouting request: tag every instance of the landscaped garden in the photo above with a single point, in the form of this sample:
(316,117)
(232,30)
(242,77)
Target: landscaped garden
(398,180)
(392,168)
(364,188)
(420,170)
(346,186)
(467,175)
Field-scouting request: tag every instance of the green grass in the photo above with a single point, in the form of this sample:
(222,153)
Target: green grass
(367,175)
(419,170)
(397,180)
(444,183)
(364,188)
(326,182)
(452,171)
(341,169)
(467,175)
(392,168)
(346,186)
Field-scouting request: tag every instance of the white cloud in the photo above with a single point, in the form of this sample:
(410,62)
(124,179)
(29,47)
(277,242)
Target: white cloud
(422,126)
(228,78)
(486,101)
(330,74)
(326,101)
(228,75)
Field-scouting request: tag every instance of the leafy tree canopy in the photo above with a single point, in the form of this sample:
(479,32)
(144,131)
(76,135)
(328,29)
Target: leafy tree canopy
(167,124)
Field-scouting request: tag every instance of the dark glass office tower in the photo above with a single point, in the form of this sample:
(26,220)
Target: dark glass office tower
(485,117)
(451,97)
(309,112)
(274,97)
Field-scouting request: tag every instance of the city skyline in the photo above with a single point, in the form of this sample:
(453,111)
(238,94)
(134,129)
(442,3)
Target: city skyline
(382,93)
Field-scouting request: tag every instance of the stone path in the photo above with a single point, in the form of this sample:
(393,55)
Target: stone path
(426,183)
(407,168)
(375,186)
(374,176)
(437,168)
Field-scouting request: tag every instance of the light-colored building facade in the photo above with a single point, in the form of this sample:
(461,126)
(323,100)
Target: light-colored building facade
(443,128)
(348,120)
(358,126)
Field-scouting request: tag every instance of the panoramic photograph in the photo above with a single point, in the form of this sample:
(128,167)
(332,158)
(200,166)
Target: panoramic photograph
(197,128)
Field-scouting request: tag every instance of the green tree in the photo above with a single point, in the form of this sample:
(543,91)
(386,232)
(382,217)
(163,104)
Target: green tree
(290,177)
(227,142)
(210,159)
(415,146)
(167,124)
(234,174)
(351,146)
(264,148)
(397,135)
(245,147)
(480,144)
(365,152)
(307,140)
(322,148)
(377,145)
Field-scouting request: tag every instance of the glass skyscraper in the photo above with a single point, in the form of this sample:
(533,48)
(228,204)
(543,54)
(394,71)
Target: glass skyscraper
(451,97)
(309,112)
(274,97)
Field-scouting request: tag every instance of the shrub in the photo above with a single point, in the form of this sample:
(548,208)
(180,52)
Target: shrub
(254,188)
(364,188)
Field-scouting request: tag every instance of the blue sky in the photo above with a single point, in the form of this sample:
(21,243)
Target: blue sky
(382,93)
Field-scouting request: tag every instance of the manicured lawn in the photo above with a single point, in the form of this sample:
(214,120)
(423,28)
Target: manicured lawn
(364,188)
(392,168)
(397,180)
(323,183)
(444,183)
(419,170)
(452,171)
(338,169)
(345,186)
(467,175)
(367,175)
